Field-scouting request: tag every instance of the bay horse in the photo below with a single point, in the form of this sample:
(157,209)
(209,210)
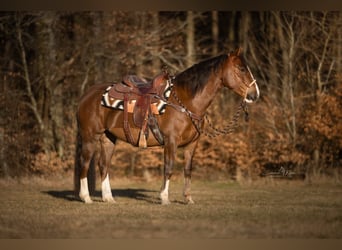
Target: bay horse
(193,91)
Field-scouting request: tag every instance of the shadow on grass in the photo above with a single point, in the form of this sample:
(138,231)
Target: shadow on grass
(147,195)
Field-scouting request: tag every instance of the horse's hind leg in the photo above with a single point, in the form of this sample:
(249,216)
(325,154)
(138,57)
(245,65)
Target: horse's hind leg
(107,149)
(87,154)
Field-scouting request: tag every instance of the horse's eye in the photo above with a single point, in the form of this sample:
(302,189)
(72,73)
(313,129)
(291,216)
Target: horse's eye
(242,69)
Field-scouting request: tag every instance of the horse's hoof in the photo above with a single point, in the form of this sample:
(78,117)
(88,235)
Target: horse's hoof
(109,199)
(188,200)
(165,202)
(164,197)
(87,200)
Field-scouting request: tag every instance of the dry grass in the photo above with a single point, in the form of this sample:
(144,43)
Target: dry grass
(40,208)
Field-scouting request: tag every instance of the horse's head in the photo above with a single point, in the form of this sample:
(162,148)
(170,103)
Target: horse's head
(238,77)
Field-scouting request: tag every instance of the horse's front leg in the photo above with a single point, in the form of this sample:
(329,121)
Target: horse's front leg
(188,156)
(170,149)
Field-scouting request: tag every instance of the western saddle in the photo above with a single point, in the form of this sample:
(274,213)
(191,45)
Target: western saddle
(145,93)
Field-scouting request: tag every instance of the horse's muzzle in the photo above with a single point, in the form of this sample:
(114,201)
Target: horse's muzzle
(253,93)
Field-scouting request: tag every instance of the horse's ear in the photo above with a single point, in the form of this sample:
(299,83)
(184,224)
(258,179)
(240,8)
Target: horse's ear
(238,51)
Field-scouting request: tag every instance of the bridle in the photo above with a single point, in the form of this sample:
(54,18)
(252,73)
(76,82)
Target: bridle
(253,79)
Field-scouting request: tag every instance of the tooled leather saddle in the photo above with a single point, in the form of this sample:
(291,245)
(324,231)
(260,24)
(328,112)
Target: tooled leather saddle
(145,93)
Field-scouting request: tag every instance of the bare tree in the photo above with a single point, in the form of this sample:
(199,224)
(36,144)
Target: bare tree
(32,100)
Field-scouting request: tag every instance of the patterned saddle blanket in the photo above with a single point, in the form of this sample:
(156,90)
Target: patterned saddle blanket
(117,102)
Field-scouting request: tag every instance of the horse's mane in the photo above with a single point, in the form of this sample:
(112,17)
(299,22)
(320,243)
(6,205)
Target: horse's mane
(194,78)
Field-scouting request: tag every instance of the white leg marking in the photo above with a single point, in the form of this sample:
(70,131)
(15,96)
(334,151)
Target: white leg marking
(164,194)
(107,191)
(84,191)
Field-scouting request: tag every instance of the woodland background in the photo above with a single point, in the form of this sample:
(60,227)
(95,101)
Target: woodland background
(48,59)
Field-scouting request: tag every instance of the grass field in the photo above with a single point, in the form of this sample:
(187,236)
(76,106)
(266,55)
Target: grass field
(41,208)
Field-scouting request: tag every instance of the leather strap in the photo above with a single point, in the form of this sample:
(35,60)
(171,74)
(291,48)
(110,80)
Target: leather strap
(154,126)
(126,126)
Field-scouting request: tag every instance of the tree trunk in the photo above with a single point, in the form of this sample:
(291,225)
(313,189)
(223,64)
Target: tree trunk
(231,30)
(244,27)
(98,49)
(190,39)
(155,51)
(53,99)
(339,43)
(140,22)
(215,32)
(286,36)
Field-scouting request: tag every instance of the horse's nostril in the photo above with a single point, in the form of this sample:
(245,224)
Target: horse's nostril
(251,97)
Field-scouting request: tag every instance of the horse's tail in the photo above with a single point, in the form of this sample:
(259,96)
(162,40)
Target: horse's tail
(78,167)
(92,175)
(77,163)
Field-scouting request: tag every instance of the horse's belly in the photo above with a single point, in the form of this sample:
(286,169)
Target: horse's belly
(135,132)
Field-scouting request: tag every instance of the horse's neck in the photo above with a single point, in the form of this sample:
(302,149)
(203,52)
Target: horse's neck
(201,101)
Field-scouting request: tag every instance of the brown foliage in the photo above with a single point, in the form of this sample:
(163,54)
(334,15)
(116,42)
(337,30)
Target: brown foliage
(322,126)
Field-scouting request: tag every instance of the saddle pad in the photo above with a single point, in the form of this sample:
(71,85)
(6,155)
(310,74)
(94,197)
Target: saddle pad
(158,108)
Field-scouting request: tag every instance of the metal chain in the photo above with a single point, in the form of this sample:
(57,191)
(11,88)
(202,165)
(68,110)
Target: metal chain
(228,129)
